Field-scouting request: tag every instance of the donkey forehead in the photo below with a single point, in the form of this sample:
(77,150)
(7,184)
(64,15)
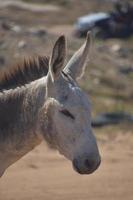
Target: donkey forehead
(70,94)
(76,98)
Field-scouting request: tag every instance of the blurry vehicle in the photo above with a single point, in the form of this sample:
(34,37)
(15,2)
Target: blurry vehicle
(89,22)
(110,118)
(115,24)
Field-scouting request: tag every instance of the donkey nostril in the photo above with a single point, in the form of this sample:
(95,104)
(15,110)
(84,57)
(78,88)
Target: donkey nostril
(76,165)
(89,164)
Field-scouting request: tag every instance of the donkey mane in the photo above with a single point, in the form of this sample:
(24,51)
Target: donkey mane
(24,73)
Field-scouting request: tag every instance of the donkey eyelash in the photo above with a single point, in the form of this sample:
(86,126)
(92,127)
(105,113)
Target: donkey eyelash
(67,113)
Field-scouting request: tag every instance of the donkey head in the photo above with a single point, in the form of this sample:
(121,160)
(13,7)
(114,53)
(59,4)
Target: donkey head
(67,109)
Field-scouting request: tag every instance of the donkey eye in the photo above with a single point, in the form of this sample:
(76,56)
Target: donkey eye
(67,113)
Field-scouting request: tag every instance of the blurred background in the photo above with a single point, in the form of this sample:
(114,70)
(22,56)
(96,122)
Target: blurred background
(30,28)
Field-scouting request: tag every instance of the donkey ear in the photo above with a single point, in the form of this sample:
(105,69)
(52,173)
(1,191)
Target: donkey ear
(76,66)
(57,59)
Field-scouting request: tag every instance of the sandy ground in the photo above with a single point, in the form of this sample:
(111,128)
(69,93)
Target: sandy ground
(45,175)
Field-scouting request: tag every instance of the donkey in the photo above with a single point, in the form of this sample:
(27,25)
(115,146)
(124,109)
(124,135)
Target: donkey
(42,100)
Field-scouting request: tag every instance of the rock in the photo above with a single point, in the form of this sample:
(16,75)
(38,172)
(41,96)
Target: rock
(38,32)
(124,52)
(16,29)
(22,44)
(6,26)
(111,118)
(126,70)
(115,48)
(3,45)
(2,60)
(10,26)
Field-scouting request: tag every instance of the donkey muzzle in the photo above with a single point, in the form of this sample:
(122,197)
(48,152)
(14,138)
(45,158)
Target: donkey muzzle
(86,165)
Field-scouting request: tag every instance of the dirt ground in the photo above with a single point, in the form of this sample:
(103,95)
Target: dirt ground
(44,174)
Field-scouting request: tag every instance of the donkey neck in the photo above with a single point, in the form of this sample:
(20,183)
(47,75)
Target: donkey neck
(18,116)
